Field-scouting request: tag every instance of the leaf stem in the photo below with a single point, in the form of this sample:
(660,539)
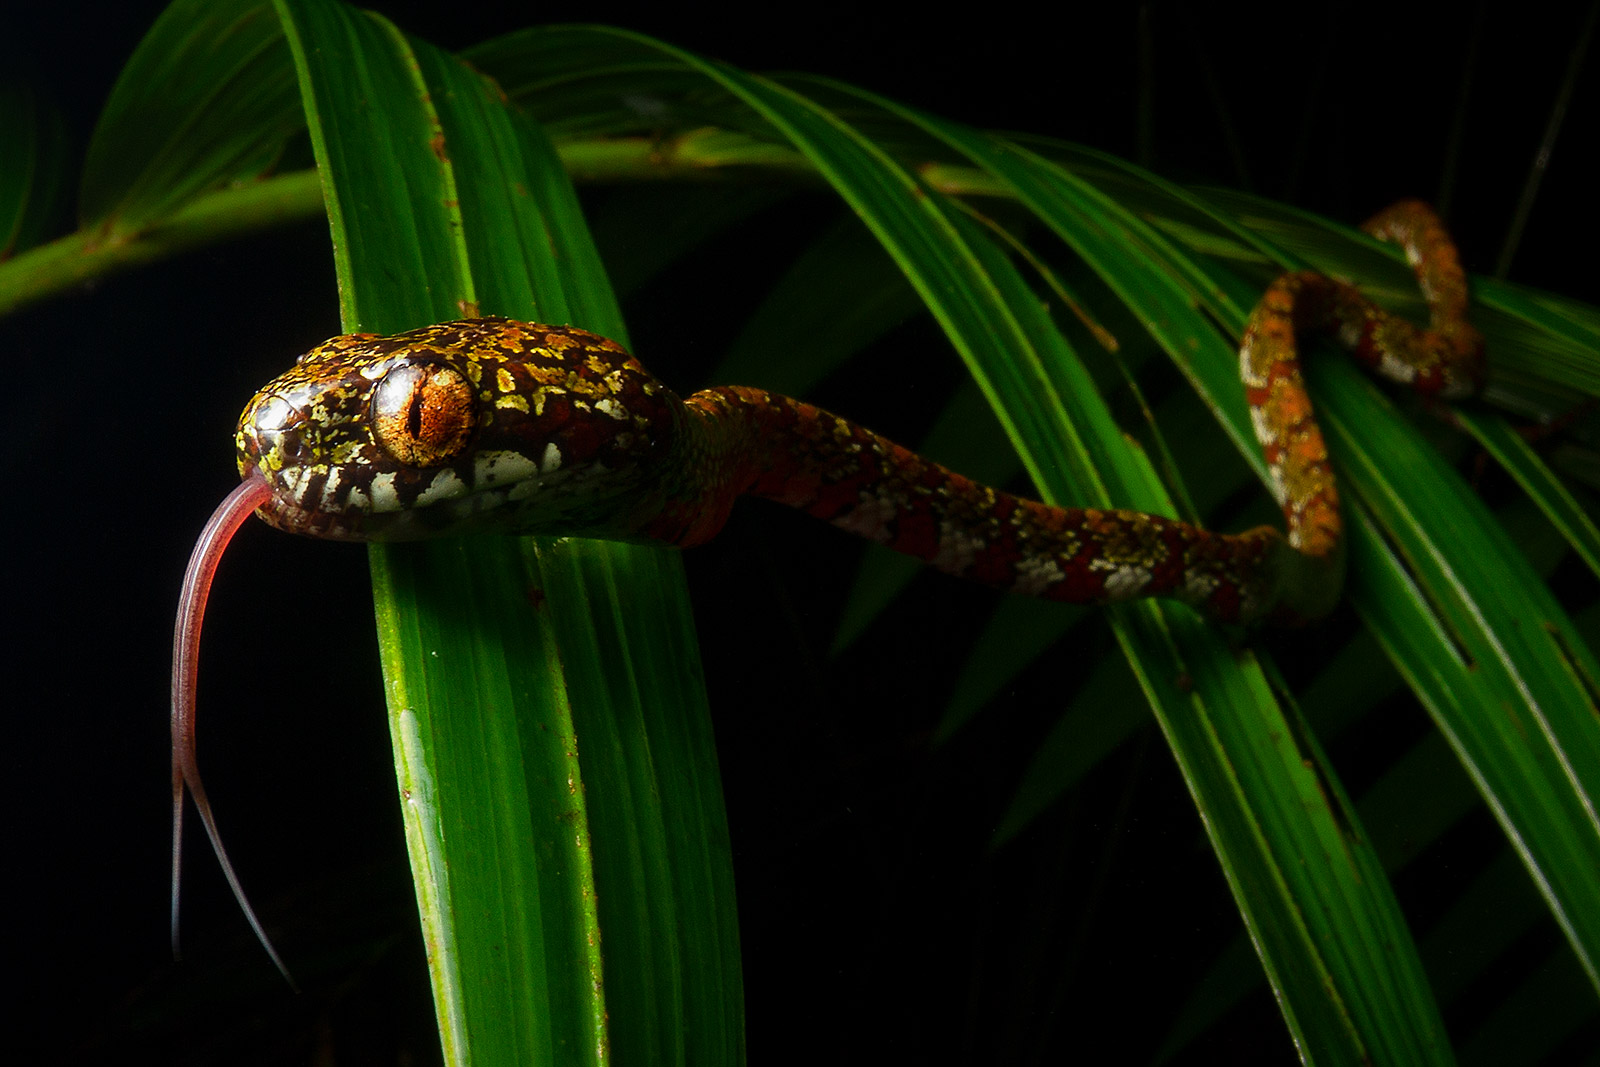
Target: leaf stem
(79,257)
(88,254)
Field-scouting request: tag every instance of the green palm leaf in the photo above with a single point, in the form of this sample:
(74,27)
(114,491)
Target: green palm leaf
(551,755)
(551,741)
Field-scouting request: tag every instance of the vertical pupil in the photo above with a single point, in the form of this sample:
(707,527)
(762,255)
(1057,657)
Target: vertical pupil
(414,412)
(421,416)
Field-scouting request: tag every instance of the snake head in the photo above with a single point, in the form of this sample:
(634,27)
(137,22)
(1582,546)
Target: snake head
(479,425)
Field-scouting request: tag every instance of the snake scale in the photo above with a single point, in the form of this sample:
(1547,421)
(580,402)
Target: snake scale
(495,425)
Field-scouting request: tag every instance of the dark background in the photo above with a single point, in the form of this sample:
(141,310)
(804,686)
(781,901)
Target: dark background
(117,447)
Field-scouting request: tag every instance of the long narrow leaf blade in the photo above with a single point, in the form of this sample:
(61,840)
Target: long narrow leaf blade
(214,80)
(1340,999)
(566,829)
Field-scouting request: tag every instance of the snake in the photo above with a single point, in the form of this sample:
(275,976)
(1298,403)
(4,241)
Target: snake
(500,426)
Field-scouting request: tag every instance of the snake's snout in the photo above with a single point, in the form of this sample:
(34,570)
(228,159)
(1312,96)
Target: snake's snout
(271,435)
(281,444)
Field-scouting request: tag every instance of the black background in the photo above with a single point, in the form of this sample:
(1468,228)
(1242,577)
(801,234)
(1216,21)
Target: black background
(858,878)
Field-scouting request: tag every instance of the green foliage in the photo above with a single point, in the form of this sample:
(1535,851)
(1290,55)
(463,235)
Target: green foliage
(551,738)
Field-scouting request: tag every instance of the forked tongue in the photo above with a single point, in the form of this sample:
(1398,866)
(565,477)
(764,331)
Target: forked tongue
(219,530)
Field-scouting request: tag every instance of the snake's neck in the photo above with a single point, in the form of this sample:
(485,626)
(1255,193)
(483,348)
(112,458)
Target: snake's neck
(738,441)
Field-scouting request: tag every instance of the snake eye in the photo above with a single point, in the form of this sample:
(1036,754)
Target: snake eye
(423,414)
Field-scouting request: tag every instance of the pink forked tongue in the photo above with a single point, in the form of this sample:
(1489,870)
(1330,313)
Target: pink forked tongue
(224,523)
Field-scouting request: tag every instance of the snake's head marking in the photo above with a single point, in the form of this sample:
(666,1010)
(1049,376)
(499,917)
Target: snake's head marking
(483,424)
